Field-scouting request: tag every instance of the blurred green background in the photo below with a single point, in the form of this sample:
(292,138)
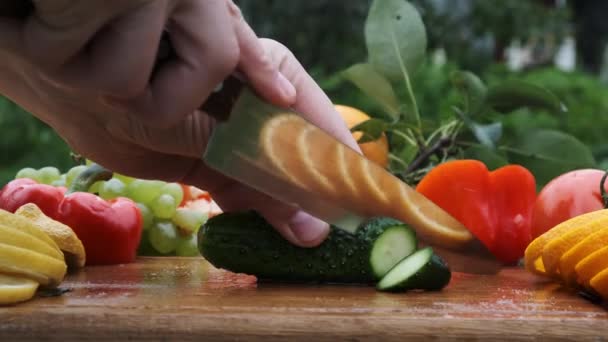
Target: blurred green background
(557,44)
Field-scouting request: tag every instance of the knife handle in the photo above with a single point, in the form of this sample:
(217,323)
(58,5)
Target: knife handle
(218,105)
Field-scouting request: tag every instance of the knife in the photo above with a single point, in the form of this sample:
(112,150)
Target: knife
(278,152)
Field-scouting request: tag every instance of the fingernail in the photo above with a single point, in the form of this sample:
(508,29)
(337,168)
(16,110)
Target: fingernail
(307,228)
(288,91)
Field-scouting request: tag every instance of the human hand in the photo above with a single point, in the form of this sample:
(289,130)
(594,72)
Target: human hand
(104,101)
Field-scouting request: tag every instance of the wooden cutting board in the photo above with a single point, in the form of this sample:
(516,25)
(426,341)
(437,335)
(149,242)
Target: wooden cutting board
(188,300)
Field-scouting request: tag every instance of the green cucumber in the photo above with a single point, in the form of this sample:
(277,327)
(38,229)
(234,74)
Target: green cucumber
(390,241)
(243,242)
(422,270)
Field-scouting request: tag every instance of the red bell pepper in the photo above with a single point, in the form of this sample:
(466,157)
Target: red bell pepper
(495,206)
(24,190)
(109,230)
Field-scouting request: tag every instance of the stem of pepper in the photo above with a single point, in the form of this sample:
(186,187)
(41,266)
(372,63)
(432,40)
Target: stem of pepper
(88,177)
(603,190)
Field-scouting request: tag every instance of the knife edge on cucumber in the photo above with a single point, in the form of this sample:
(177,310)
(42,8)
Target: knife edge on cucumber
(383,251)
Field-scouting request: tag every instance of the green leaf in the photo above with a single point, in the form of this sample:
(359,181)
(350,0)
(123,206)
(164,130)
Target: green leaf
(372,129)
(400,159)
(400,135)
(395,35)
(548,154)
(375,85)
(513,94)
(472,87)
(488,156)
(488,135)
(403,125)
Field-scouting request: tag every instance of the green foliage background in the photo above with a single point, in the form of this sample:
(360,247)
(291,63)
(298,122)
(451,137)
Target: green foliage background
(25,141)
(327,36)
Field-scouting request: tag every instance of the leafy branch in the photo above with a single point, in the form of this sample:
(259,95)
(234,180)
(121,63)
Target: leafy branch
(396,41)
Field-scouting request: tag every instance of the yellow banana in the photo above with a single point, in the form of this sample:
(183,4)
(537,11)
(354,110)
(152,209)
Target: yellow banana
(42,268)
(27,226)
(14,237)
(64,236)
(14,289)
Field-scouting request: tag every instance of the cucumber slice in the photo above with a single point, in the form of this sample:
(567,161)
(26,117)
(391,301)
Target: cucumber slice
(394,244)
(422,270)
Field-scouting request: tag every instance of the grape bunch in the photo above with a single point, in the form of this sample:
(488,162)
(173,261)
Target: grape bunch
(169,226)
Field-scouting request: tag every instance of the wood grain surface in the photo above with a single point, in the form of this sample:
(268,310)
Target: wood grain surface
(180,299)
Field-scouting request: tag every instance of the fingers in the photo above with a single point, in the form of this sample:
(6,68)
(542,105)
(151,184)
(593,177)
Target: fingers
(110,47)
(90,44)
(294,225)
(255,62)
(137,159)
(206,53)
(121,56)
(188,139)
(10,36)
(59,29)
(311,101)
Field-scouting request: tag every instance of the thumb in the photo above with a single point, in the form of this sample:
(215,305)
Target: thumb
(293,224)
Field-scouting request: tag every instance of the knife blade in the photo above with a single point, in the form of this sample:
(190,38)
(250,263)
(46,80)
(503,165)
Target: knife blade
(278,152)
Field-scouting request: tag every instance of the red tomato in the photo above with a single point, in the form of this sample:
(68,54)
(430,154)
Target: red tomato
(187,194)
(566,196)
(192,193)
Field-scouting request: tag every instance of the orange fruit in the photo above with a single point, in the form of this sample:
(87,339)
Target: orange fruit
(556,248)
(377,150)
(339,174)
(281,153)
(592,265)
(600,283)
(533,259)
(570,262)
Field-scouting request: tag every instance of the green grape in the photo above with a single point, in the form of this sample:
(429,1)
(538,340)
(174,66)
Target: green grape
(94,189)
(187,246)
(163,236)
(112,188)
(146,215)
(164,206)
(189,219)
(144,191)
(125,179)
(28,172)
(145,247)
(48,174)
(175,190)
(61,181)
(73,173)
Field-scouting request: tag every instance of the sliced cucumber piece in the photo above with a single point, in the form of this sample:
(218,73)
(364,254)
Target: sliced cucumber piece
(394,244)
(422,270)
